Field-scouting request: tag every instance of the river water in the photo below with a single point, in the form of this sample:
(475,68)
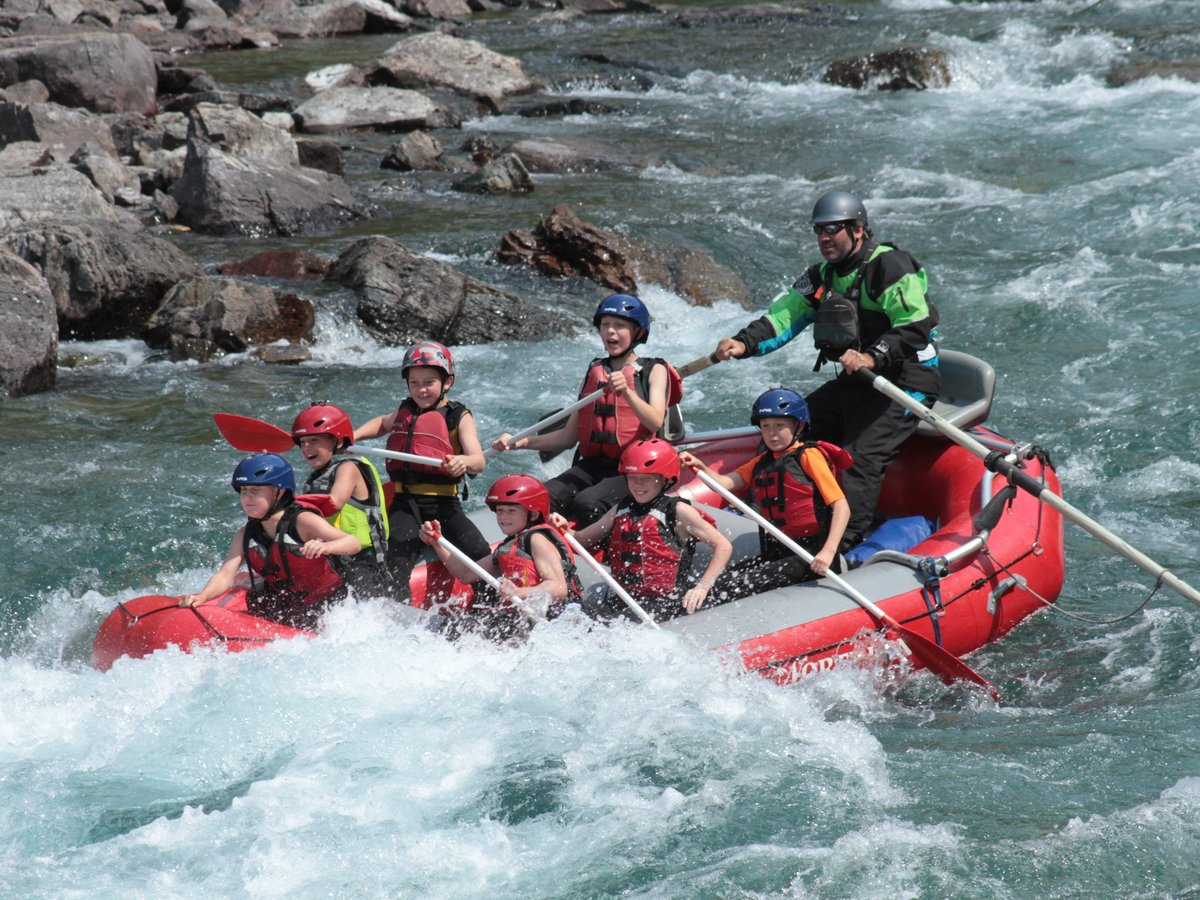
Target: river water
(1060,221)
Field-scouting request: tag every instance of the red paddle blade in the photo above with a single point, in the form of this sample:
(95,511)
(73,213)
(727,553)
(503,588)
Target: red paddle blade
(253,435)
(942,662)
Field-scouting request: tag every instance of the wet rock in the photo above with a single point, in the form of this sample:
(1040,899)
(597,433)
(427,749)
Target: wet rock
(323,155)
(441,61)
(404,297)
(290,354)
(223,194)
(371,108)
(562,245)
(280,264)
(1185,69)
(338,75)
(608,7)
(100,72)
(559,108)
(105,281)
(62,130)
(414,152)
(173,79)
(441,10)
(202,318)
(578,154)
(28,329)
(897,69)
(802,11)
(505,174)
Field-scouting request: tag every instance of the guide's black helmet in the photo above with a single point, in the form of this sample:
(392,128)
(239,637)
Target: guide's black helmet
(838,206)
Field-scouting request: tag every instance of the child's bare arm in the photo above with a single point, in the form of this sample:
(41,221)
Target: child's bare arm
(690,522)
(222,579)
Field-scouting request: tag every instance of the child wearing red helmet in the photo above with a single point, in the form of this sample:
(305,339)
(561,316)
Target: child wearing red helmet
(428,423)
(640,389)
(349,489)
(534,564)
(652,536)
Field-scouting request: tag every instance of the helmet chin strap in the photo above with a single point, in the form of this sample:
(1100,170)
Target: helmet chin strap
(283,499)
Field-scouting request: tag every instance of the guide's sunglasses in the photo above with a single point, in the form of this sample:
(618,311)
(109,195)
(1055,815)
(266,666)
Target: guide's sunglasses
(830,228)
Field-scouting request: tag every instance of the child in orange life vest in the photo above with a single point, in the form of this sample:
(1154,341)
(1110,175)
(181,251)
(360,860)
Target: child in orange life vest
(794,486)
(427,423)
(651,536)
(534,564)
(347,489)
(285,547)
(641,389)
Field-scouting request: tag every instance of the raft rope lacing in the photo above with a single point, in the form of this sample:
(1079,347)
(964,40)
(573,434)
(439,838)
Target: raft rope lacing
(1044,456)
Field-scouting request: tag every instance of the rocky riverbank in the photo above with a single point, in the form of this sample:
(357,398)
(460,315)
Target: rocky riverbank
(114,140)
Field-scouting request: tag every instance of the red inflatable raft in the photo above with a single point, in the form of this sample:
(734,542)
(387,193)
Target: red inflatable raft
(972,579)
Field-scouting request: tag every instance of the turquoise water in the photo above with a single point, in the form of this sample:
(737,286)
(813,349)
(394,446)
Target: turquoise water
(1059,220)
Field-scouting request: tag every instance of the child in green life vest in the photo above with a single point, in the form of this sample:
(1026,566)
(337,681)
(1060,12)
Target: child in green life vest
(348,490)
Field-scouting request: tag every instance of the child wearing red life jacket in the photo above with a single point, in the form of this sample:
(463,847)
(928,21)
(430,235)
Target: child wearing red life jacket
(428,423)
(651,537)
(794,486)
(635,405)
(286,547)
(347,489)
(534,564)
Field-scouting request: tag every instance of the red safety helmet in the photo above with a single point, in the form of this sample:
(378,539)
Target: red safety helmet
(650,456)
(324,418)
(523,490)
(428,353)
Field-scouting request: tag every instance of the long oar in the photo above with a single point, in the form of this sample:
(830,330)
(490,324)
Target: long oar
(359,450)
(997,463)
(523,606)
(483,574)
(257,436)
(696,365)
(552,419)
(942,662)
(609,580)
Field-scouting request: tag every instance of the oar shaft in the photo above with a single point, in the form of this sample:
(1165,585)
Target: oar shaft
(484,575)
(1032,486)
(773,530)
(609,580)
(396,454)
(552,419)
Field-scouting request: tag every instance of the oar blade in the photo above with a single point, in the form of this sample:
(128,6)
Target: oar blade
(942,662)
(252,435)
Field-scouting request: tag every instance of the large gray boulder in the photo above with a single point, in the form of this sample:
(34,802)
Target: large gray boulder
(28,329)
(105,281)
(332,17)
(61,129)
(575,154)
(405,297)
(242,134)
(222,194)
(352,108)
(105,73)
(438,60)
(202,318)
(52,192)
